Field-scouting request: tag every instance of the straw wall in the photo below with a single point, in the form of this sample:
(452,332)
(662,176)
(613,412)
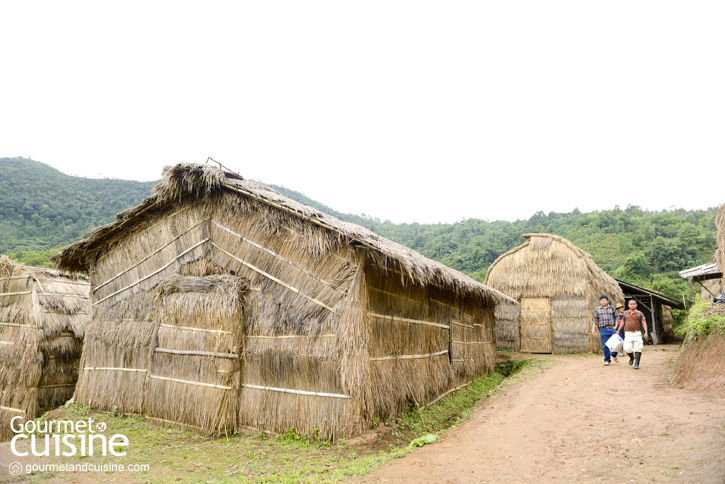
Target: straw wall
(118,345)
(42,316)
(291,353)
(507,326)
(423,341)
(571,324)
(195,360)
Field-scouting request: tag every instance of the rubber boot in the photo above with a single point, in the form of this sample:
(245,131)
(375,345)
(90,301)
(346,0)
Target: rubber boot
(637,356)
(631,358)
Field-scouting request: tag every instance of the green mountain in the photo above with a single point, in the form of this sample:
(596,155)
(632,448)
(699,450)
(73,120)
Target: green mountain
(41,210)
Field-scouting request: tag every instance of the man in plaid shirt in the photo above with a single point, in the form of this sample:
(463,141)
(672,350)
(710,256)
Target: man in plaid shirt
(606,319)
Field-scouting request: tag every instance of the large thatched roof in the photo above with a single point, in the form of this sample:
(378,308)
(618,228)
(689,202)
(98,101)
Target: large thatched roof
(547,265)
(190,182)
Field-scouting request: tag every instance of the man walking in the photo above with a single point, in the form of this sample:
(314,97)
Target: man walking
(635,325)
(606,319)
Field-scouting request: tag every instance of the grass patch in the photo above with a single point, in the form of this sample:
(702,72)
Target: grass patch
(699,323)
(175,455)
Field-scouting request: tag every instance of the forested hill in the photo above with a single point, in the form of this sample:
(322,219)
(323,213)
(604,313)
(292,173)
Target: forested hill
(42,209)
(646,248)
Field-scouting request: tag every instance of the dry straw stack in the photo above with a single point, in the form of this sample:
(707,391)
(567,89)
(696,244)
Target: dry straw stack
(558,286)
(222,305)
(42,318)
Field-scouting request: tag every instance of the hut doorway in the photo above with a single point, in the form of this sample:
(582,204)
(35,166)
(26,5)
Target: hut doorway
(535,324)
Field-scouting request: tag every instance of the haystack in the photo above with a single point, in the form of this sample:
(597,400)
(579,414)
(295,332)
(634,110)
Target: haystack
(558,285)
(42,317)
(219,305)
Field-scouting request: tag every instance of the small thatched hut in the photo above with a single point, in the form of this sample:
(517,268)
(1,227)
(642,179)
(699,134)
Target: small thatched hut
(219,304)
(42,317)
(558,285)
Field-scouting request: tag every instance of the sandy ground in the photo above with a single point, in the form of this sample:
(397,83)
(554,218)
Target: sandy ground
(577,421)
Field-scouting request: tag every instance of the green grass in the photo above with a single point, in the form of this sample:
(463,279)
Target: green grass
(174,455)
(696,324)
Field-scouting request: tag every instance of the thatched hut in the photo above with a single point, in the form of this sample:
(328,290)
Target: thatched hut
(219,304)
(42,317)
(557,285)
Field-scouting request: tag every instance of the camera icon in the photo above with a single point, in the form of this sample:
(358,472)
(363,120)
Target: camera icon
(15,469)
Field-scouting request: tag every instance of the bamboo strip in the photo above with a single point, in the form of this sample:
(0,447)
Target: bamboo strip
(296,392)
(17,325)
(188,382)
(461,324)
(181,424)
(409,357)
(197,353)
(57,386)
(16,293)
(155,272)
(62,295)
(50,311)
(399,296)
(98,368)
(406,320)
(164,220)
(445,304)
(288,336)
(17,410)
(446,393)
(274,254)
(6,343)
(272,278)
(148,256)
(471,342)
(456,360)
(191,328)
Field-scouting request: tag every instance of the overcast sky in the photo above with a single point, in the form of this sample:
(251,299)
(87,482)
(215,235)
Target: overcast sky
(404,110)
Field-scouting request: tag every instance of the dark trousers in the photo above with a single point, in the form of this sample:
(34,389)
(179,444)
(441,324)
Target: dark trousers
(605,334)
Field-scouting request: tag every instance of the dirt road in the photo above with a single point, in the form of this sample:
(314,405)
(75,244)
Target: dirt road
(580,422)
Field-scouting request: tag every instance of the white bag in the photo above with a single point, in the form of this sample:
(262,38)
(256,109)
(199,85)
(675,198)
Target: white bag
(614,343)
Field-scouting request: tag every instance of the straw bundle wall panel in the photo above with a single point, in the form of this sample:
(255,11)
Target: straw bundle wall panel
(106,389)
(58,380)
(40,327)
(571,319)
(213,409)
(330,418)
(395,382)
(167,239)
(211,303)
(507,326)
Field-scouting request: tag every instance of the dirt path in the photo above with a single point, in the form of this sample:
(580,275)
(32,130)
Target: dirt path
(580,422)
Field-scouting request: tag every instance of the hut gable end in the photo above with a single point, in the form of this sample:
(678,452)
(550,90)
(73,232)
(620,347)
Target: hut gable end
(558,286)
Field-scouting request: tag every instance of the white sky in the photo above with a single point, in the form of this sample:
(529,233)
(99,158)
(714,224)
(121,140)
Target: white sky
(404,110)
